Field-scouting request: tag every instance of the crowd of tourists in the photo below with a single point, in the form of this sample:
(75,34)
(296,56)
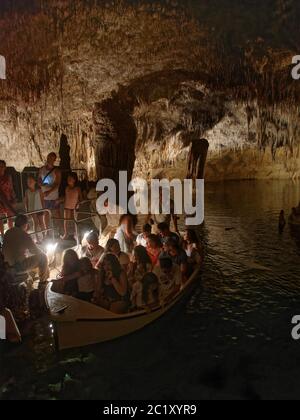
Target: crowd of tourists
(130,272)
(147,270)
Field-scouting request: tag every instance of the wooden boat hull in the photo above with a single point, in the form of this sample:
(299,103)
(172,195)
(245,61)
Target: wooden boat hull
(80,324)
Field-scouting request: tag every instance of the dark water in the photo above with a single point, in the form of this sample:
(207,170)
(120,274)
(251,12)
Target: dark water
(232,340)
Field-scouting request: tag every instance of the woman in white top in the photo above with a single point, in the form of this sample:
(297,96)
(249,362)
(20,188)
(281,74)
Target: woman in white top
(125,234)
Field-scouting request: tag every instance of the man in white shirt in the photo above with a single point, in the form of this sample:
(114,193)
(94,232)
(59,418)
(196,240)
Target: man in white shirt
(142,238)
(49,181)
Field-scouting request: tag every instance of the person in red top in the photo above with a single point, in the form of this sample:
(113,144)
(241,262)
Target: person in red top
(7,197)
(154,249)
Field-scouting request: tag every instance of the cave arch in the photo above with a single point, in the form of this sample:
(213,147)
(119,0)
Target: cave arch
(116,132)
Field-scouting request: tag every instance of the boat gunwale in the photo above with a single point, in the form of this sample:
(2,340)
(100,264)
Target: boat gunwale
(127,316)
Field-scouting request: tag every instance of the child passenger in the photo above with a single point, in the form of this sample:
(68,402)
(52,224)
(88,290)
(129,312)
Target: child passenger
(34,201)
(73,197)
(154,249)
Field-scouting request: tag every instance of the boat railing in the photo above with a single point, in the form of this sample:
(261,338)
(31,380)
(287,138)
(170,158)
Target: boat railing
(80,216)
(51,229)
(78,220)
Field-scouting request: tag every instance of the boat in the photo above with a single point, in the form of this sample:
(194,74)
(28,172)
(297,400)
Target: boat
(79,324)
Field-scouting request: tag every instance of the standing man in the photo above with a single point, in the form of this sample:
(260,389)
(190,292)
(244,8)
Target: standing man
(17,245)
(50,180)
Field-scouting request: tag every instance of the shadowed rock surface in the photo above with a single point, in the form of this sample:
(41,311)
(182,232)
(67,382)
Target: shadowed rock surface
(177,71)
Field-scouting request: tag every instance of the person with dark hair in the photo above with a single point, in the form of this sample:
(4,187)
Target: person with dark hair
(141,265)
(93,251)
(150,294)
(16,245)
(166,234)
(113,247)
(142,238)
(193,248)
(173,251)
(154,248)
(88,281)
(49,181)
(7,197)
(70,273)
(113,287)
(73,196)
(145,293)
(169,277)
(125,234)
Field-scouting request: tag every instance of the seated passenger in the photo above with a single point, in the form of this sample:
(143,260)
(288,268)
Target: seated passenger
(70,274)
(150,290)
(169,277)
(113,247)
(193,248)
(93,251)
(145,292)
(88,281)
(173,251)
(166,234)
(112,293)
(141,264)
(125,234)
(154,248)
(142,238)
(16,246)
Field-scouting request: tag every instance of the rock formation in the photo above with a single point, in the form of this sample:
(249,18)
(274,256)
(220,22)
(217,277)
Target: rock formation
(131,85)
